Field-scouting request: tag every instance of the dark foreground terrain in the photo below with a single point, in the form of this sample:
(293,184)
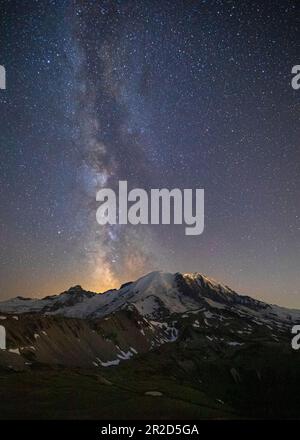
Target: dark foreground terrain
(187,389)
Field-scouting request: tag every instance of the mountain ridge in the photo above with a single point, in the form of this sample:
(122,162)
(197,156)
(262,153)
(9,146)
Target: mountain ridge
(173,292)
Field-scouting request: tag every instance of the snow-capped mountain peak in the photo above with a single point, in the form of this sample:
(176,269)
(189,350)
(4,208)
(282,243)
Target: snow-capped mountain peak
(142,315)
(155,295)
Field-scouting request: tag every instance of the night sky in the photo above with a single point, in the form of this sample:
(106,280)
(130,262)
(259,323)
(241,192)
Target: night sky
(163,94)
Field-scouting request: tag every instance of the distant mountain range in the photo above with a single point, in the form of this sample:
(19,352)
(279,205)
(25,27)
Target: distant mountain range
(185,326)
(154,295)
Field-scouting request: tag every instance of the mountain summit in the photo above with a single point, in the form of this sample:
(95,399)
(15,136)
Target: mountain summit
(157,294)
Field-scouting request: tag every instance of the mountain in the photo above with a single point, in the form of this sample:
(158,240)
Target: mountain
(180,326)
(154,295)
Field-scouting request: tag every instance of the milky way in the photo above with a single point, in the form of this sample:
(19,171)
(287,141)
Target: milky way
(171,94)
(113,119)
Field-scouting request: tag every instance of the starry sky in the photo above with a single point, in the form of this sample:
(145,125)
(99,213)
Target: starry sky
(163,94)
